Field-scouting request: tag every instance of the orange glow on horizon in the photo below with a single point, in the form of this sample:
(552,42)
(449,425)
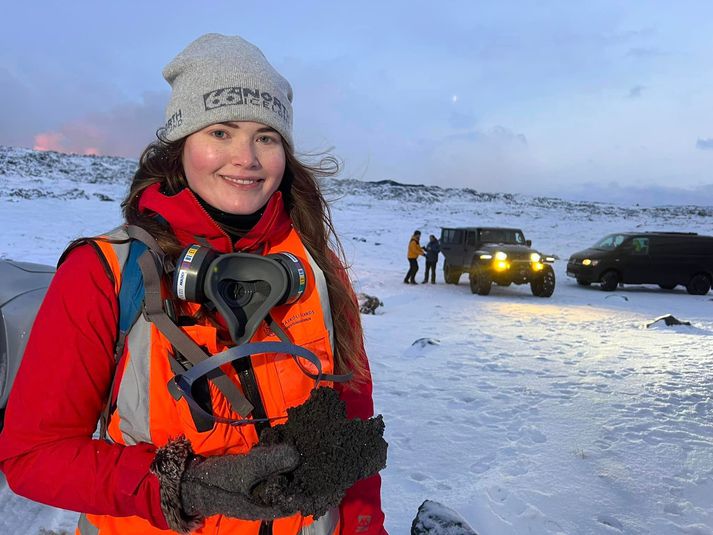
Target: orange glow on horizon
(48,141)
(54,141)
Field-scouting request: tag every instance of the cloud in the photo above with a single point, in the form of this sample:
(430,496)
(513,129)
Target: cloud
(644,52)
(122,131)
(636,91)
(705,143)
(19,116)
(459,119)
(487,159)
(650,195)
(494,137)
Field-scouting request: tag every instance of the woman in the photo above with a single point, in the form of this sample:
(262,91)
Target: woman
(222,174)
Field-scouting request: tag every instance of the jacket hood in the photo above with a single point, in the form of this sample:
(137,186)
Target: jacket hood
(191,223)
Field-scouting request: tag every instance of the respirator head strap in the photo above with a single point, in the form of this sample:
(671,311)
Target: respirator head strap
(184,382)
(282,335)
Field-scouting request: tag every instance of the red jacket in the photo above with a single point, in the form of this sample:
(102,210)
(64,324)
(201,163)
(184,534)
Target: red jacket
(46,448)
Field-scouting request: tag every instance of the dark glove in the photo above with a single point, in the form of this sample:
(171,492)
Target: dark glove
(222,484)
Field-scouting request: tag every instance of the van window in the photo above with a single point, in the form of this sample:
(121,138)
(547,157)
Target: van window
(450,235)
(610,242)
(640,245)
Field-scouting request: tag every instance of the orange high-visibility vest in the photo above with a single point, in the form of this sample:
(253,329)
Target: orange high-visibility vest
(146,411)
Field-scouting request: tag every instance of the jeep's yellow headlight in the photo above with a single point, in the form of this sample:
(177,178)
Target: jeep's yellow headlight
(535,257)
(586,262)
(501,265)
(500,256)
(537,266)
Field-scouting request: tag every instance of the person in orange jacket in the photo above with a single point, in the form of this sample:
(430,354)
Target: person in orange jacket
(414,251)
(222,174)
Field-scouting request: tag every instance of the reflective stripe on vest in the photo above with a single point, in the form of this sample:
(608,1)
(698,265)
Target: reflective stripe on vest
(146,412)
(84,527)
(324,298)
(325,525)
(132,404)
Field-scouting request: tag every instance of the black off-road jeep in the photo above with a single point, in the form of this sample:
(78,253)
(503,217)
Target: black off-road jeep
(495,255)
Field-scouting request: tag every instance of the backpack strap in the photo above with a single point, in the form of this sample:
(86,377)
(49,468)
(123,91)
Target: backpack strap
(131,294)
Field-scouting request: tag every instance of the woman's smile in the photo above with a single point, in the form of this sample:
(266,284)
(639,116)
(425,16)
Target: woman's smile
(235,166)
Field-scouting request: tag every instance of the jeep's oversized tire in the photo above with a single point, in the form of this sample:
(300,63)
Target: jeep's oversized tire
(543,285)
(480,281)
(609,280)
(699,284)
(451,274)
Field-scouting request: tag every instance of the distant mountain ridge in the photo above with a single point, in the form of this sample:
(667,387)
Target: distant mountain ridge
(27,173)
(21,162)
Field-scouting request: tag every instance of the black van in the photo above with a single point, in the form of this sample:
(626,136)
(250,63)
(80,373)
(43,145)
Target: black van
(664,258)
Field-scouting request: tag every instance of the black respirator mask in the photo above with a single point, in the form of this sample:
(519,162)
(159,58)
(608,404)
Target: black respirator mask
(243,287)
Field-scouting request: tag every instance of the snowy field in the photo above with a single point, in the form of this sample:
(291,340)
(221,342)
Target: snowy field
(526,415)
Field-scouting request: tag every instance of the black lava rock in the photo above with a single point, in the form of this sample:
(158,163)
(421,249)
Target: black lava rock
(336,453)
(434,518)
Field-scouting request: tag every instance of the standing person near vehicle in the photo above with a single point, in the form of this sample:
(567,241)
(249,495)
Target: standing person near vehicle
(414,251)
(222,174)
(433,247)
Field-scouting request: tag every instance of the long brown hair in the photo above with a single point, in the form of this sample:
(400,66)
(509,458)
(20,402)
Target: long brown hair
(161,163)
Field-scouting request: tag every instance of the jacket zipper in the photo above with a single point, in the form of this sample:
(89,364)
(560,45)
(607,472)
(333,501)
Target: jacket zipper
(246,374)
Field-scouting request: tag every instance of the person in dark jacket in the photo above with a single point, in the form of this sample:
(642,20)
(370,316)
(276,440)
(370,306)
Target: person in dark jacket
(433,247)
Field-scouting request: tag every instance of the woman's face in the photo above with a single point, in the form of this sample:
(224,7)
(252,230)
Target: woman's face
(235,166)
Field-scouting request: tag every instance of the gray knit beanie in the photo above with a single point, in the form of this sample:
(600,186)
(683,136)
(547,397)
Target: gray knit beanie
(220,78)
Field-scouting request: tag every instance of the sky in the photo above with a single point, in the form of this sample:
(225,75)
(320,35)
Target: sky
(602,100)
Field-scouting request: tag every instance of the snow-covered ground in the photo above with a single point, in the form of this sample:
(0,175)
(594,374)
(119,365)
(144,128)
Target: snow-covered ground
(526,415)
